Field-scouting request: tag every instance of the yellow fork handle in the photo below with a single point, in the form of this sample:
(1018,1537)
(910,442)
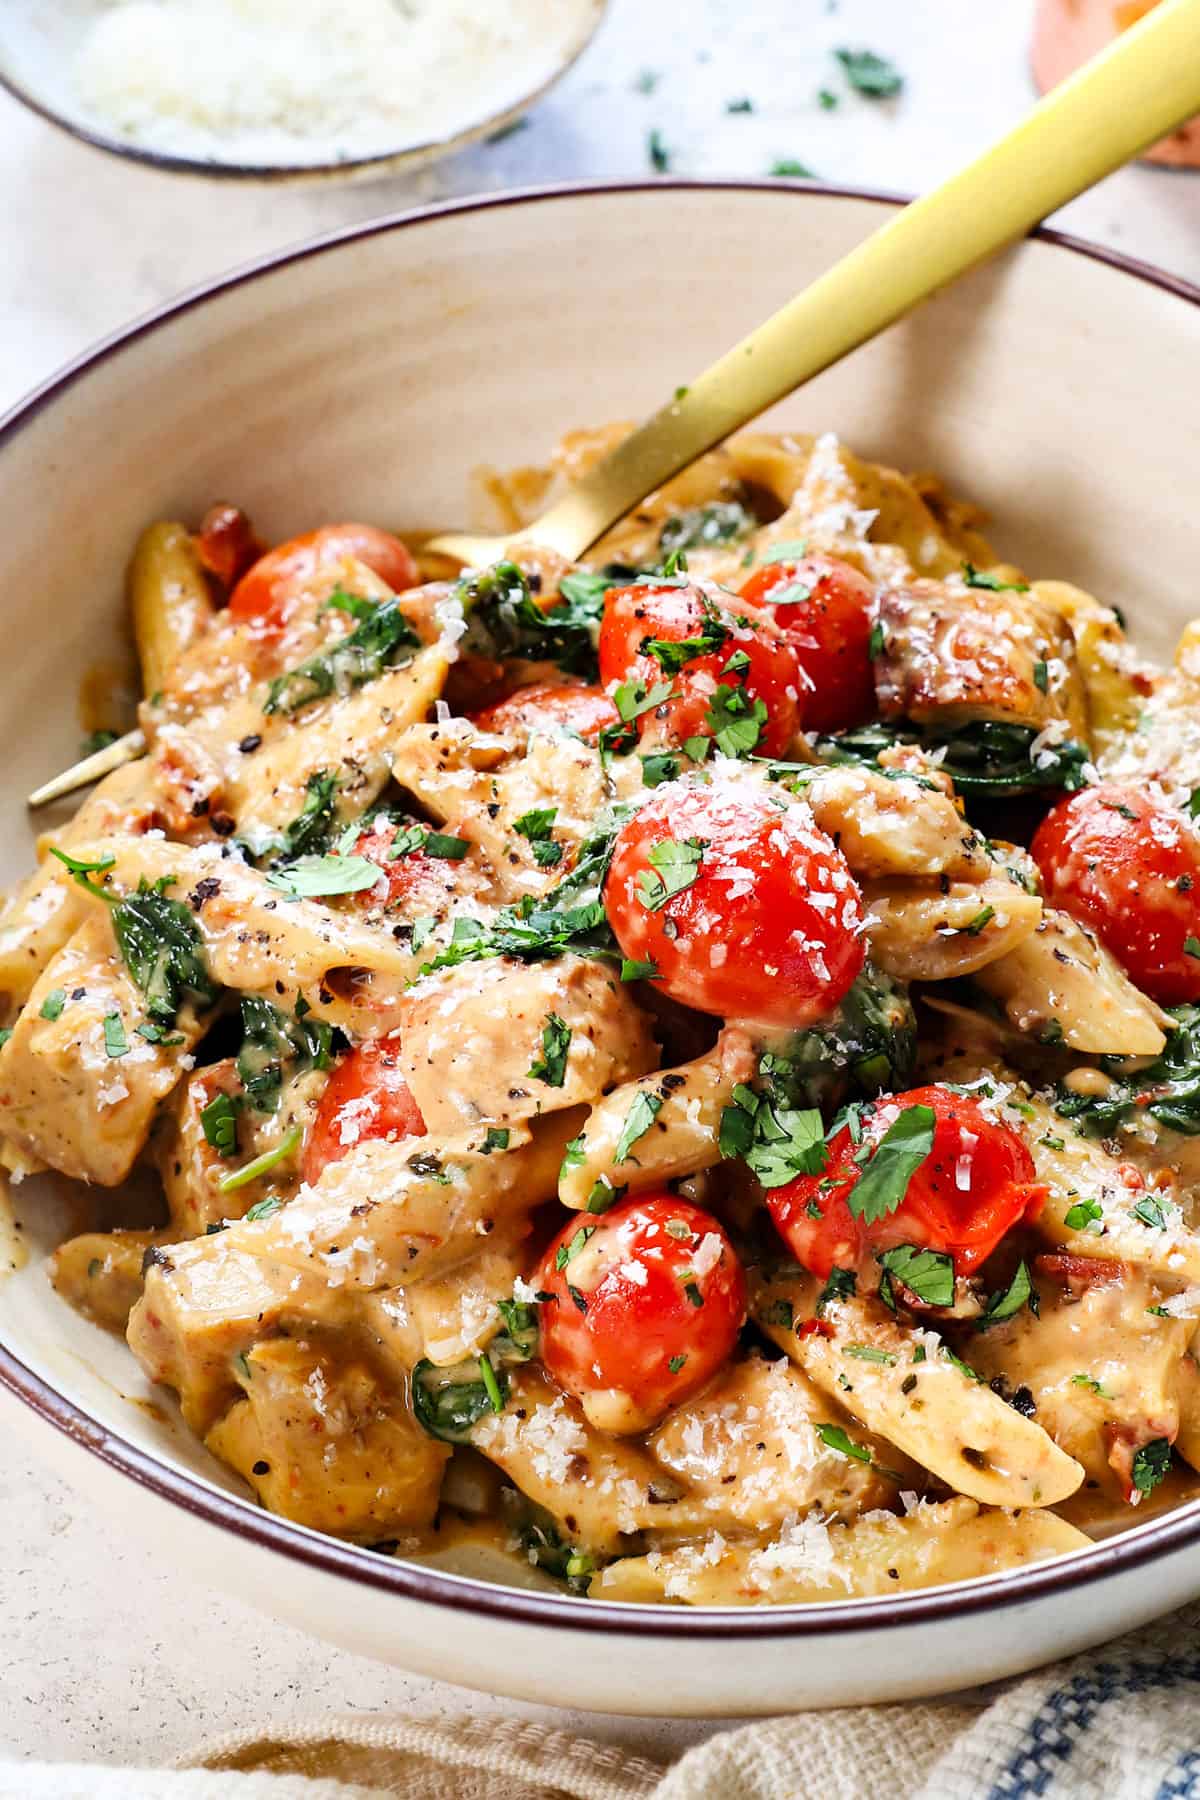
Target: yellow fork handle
(1145,84)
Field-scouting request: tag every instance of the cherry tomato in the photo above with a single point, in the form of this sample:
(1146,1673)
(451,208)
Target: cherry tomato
(416,881)
(266,592)
(973,1186)
(645,1305)
(552,706)
(741,672)
(365,1097)
(744,907)
(226,544)
(1128,866)
(827,621)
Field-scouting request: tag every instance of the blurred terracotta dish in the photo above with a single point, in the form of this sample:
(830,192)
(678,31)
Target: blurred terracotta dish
(1067,32)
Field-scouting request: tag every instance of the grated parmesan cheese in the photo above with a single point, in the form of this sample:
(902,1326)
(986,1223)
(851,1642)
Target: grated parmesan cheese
(271,81)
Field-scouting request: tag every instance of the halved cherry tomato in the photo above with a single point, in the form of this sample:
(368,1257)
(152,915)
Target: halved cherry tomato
(365,1097)
(1128,866)
(974,1185)
(268,589)
(736,670)
(645,1304)
(415,881)
(552,706)
(823,607)
(226,544)
(744,907)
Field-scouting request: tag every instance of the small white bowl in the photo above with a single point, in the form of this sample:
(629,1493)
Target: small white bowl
(39,40)
(364,376)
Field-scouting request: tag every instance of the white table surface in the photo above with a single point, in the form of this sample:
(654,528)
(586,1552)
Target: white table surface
(108,1656)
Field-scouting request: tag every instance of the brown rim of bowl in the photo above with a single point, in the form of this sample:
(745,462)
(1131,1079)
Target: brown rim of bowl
(1175,1531)
(345,168)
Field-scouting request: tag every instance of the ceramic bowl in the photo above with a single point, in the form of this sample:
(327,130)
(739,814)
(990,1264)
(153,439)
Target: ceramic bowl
(365,375)
(38,44)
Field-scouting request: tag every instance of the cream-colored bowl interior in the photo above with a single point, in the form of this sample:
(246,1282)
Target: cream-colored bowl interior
(366,378)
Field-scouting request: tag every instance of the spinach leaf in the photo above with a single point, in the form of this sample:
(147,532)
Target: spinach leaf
(380,641)
(701,527)
(274,1042)
(1168,1089)
(163,950)
(986,757)
(868,1044)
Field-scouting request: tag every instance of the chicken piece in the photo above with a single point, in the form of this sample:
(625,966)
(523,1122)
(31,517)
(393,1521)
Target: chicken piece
(951,654)
(1101,1365)
(1062,986)
(79,1085)
(323,1442)
(205,1304)
(191,1167)
(100,1273)
(471,1038)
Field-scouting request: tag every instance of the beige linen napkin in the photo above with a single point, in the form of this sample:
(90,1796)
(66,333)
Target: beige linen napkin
(1122,1723)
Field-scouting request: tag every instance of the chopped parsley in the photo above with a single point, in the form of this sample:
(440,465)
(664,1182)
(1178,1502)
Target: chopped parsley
(1006,1302)
(995,584)
(283,1151)
(735,720)
(657,152)
(674,867)
(984,917)
(872,76)
(834,1437)
(1150,1212)
(1082,1214)
(841,1285)
(927,1274)
(496,1138)
(700,527)
(1151,1464)
(319,877)
(640,1117)
(52,1005)
(218,1120)
(881,1187)
(788,168)
(638,971)
(777,1142)
(1041,676)
(115,1041)
(675,1363)
(262,1209)
(551,1065)
(565,1252)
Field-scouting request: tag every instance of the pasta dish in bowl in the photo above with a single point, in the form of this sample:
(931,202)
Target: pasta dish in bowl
(679,1070)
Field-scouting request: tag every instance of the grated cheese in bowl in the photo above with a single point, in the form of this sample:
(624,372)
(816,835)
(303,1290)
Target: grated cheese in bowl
(267,82)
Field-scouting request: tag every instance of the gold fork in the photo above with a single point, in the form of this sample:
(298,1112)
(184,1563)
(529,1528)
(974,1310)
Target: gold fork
(1141,87)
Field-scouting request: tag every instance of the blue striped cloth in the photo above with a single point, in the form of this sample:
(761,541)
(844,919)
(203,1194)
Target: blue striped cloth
(1119,1723)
